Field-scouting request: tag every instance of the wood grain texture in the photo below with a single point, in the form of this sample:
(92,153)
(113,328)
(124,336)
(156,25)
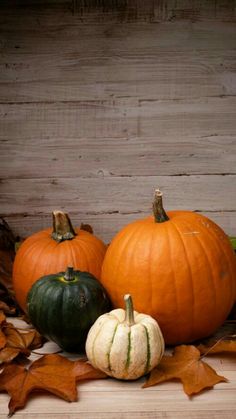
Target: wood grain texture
(117,399)
(133,10)
(93,117)
(105,225)
(129,156)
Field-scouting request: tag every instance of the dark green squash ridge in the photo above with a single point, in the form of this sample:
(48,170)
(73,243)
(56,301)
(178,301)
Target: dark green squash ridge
(63,310)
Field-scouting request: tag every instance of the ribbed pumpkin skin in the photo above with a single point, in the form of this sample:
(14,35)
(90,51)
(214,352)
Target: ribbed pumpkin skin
(63,311)
(182,272)
(122,351)
(40,255)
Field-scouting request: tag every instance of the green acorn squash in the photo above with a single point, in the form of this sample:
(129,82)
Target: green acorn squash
(63,307)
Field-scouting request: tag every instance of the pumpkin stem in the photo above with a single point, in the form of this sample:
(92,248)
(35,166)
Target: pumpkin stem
(62,227)
(160,215)
(129,310)
(69,274)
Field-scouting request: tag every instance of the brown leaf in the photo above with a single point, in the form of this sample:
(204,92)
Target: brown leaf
(37,341)
(2,317)
(224,340)
(86,227)
(6,264)
(3,339)
(218,347)
(82,370)
(7,239)
(7,354)
(17,342)
(7,254)
(16,339)
(51,373)
(185,364)
(7,309)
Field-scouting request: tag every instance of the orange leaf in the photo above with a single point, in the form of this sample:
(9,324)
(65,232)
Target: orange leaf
(185,364)
(16,339)
(3,340)
(37,341)
(2,318)
(218,347)
(224,340)
(6,308)
(86,227)
(51,373)
(82,370)
(7,354)
(14,342)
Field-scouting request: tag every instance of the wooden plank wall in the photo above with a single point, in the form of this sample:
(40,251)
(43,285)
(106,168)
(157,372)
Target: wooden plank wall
(103,101)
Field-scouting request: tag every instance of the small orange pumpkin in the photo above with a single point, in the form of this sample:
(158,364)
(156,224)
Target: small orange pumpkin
(179,268)
(52,250)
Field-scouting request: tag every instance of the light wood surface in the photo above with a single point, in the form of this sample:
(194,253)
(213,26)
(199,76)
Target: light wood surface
(100,103)
(111,398)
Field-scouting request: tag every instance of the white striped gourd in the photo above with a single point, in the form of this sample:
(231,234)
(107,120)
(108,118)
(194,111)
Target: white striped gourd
(125,344)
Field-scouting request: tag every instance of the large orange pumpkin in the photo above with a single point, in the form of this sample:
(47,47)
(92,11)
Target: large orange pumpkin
(179,268)
(53,250)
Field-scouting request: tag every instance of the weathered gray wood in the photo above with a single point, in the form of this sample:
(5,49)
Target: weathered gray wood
(202,117)
(109,203)
(168,61)
(124,194)
(133,10)
(66,79)
(99,115)
(134,156)
(105,226)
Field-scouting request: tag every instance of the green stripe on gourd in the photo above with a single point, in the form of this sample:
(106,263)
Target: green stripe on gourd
(147,366)
(125,344)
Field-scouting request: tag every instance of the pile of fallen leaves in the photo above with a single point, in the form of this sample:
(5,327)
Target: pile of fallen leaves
(50,373)
(54,373)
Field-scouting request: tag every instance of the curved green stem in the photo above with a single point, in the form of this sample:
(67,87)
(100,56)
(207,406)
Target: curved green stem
(129,310)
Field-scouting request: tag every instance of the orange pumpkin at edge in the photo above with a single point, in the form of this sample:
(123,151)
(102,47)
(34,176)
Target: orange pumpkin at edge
(179,268)
(52,250)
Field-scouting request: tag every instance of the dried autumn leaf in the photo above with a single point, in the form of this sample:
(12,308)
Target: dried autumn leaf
(51,373)
(3,339)
(37,341)
(7,239)
(185,364)
(224,340)
(17,342)
(6,264)
(6,308)
(86,227)
(16,339)
(219,347)
(2,317)
(7,254)
(7,354)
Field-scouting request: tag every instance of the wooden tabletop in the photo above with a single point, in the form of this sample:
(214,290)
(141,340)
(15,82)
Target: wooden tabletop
(111,398)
